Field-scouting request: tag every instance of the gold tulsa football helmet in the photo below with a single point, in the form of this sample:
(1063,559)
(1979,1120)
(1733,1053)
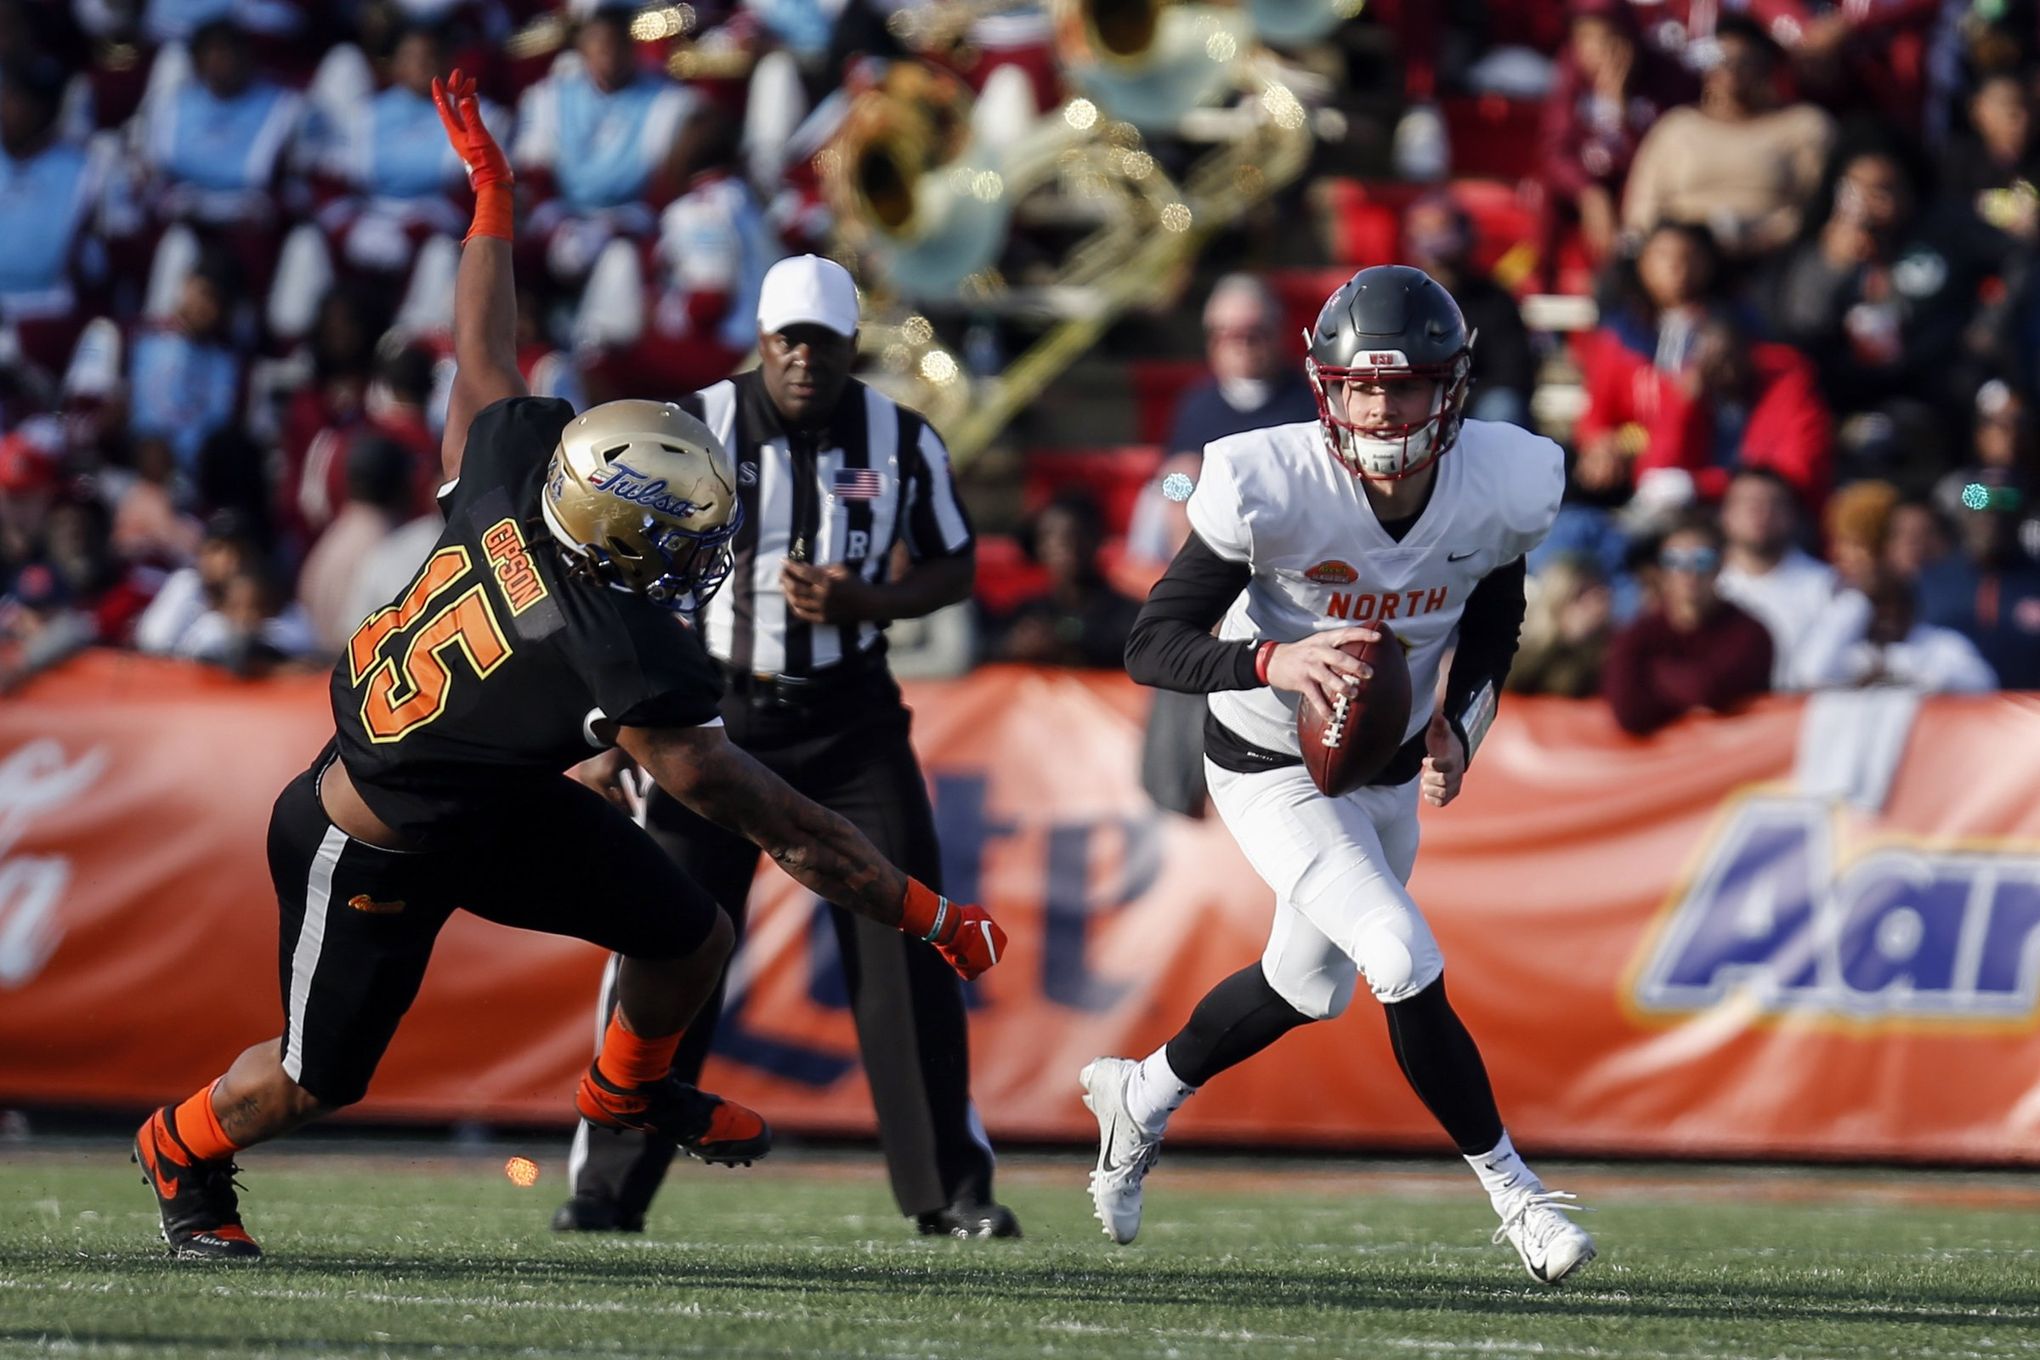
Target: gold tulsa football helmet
(641,495)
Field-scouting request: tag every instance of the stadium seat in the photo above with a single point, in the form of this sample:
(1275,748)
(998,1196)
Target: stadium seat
(1492,136)
(1114,475)
(1303,292)
(1536,24)
(1504,227)
(1006,575)
(1365,219)
(1365,227)
(1158,384)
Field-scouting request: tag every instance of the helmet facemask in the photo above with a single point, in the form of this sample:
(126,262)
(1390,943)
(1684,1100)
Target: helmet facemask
(1389,452)
(682,567)
(696,565)
(682,570)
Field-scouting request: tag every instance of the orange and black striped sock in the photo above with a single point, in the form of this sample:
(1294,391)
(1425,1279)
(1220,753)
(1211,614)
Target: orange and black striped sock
(198,1128)
(629,1060)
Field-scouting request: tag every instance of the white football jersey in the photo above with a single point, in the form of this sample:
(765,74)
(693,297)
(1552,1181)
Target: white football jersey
(1277,500)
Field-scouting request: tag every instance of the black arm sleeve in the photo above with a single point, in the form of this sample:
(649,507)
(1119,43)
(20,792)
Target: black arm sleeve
(1171,646)
(1488,632)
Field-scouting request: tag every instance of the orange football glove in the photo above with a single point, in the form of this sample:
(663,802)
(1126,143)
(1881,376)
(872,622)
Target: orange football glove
(974,941)
(461,114)
(963,933)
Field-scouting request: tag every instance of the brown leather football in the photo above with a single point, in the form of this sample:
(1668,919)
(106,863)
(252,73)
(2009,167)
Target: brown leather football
(1353,743)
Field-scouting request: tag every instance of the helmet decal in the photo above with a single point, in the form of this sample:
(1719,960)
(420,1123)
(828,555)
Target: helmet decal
(626,483)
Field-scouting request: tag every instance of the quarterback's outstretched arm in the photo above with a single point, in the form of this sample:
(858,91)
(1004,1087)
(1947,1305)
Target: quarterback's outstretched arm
(485,295)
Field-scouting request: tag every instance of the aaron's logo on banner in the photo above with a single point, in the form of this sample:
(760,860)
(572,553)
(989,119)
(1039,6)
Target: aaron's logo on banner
(1784,913)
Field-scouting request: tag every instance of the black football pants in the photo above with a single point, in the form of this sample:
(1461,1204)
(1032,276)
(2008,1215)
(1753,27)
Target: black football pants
(357,922)
(851,755)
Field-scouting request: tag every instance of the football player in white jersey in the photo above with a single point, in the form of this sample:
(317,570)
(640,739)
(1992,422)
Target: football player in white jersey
(1389,508)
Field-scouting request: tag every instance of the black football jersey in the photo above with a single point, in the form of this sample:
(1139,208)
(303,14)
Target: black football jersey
(491,668)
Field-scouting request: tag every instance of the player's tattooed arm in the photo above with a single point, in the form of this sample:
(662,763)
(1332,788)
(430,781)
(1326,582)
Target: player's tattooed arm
(818,849)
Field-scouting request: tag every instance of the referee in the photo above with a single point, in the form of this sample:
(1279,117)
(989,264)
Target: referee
(831,475)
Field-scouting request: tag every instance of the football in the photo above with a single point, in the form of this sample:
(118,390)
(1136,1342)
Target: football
(1353,743)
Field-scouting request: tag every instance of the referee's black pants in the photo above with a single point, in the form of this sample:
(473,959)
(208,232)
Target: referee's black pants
(847,748)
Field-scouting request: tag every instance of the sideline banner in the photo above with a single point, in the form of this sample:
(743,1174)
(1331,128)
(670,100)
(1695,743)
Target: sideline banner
(1729,940)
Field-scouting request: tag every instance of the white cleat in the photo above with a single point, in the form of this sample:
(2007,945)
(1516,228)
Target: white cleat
(1125,1153)
(1535,1224)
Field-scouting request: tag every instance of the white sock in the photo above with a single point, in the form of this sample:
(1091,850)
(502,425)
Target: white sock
(1503,1172)
(1155,1092)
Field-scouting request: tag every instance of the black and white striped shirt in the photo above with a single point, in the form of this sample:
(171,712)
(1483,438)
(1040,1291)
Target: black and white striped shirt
(876,476)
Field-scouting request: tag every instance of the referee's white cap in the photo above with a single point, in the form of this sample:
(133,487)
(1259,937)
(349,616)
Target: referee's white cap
(808,289)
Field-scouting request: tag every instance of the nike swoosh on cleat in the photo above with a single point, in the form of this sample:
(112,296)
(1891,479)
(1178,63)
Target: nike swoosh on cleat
(1105,1162)
(990,948)
(166,1186)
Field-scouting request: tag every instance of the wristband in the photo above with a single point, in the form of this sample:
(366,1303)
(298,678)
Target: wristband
(924,912)
(1263,654)
(1472,721)
(494,215)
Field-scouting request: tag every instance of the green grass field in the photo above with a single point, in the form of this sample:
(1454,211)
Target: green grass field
(408,1250)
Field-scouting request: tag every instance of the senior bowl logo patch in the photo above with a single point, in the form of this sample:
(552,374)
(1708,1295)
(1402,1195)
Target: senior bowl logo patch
(1332,572)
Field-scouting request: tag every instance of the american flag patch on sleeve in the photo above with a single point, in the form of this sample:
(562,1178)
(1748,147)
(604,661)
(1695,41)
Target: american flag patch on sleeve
(857,484)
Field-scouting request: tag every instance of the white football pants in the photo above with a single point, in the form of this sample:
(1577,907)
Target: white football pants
(1337,866)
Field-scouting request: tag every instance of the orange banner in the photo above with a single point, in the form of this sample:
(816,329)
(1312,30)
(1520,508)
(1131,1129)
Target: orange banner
(1692,945)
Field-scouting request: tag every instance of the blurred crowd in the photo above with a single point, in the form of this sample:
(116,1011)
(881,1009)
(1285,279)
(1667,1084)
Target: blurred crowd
(1801,418)
(232,236)
(1804,453)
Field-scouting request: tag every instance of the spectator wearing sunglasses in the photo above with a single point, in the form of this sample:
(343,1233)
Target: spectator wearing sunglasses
(1255,381)
(1690,648)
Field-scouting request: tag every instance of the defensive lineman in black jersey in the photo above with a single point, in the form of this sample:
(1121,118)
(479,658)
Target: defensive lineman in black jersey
(540,630)
(430,754)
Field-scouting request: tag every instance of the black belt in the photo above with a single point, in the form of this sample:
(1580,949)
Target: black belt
(766,690)
(1230,751)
